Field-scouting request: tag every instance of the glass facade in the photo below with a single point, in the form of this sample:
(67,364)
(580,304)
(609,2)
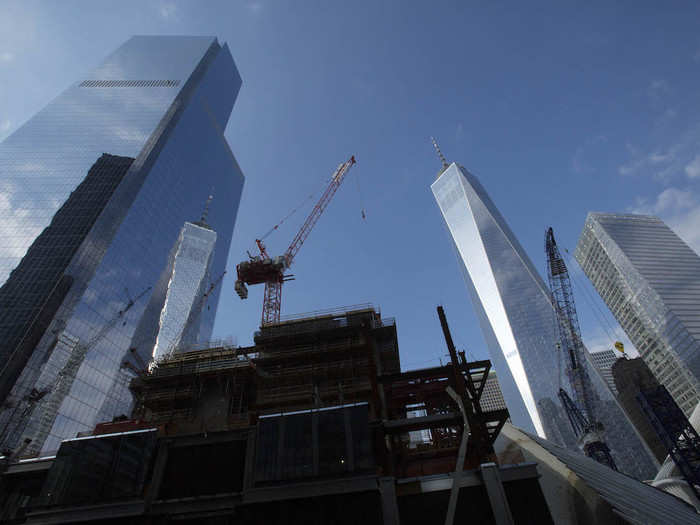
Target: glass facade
(94,191)
(518,322)
(650,280)
(511,300)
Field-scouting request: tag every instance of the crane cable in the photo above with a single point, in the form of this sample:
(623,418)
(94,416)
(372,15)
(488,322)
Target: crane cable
(310,197)
(595,308)
(294,210)
(297,208)
(362,201)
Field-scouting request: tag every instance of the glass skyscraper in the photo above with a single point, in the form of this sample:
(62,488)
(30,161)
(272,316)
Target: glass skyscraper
(94,192)
(650,280)
(516,314)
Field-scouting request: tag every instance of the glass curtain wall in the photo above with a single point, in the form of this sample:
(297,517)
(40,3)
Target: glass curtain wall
(163,102)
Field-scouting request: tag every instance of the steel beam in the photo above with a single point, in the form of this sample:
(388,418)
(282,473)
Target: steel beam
(497,494)
(390,507)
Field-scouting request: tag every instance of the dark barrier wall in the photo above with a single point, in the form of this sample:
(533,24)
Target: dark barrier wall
(320,443)
(100,469)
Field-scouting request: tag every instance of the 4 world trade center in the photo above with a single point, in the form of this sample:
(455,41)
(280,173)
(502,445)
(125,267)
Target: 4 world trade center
(96,188)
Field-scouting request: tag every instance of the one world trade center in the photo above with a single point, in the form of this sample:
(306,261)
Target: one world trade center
(515,312)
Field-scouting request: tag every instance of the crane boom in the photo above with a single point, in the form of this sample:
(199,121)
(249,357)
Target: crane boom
(581,412)
(265,269)
(315,214)
(569,330)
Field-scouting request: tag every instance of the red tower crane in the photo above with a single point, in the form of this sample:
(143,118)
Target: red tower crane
(265,269)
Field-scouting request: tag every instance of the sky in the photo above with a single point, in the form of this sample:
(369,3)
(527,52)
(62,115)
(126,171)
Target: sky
(560,108)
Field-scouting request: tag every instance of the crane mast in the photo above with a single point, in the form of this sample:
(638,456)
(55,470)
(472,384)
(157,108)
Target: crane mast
(265,269)
(580,410)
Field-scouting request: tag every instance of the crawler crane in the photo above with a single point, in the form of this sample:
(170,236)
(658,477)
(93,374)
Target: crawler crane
(581,410)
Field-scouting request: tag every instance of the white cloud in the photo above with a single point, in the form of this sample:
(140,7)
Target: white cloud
(664,162)
(687,226)
(680,209)
(692,169)
(6,56)
(674,200)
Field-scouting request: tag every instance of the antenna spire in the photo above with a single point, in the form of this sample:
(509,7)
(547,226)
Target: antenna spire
(445,164)
(205,213)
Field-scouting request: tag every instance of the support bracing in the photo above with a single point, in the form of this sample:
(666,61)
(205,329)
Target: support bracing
(272,302)
(675,431)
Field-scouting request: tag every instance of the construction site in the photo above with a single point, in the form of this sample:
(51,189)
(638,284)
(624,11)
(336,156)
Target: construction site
(316,423)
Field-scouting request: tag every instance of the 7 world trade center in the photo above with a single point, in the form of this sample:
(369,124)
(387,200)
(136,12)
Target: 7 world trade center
(97,187)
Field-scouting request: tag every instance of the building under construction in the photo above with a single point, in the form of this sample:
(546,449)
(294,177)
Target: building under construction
(315,423)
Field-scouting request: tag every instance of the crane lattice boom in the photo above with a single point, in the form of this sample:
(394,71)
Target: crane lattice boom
(569,330)
(315,214)
(581,412)
(265,269)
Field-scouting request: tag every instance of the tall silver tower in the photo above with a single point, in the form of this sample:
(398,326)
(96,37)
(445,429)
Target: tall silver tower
(516,315)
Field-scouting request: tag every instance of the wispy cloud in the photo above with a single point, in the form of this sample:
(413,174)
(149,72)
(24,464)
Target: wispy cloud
(168,10)
(255,7)
(658,88)
(459,133)
(692,169)
(663,163)
(7,56)
(641,162)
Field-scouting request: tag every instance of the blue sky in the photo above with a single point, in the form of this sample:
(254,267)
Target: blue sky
(559,108)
